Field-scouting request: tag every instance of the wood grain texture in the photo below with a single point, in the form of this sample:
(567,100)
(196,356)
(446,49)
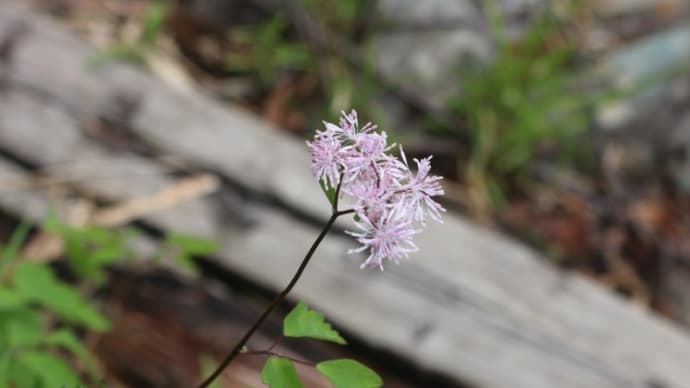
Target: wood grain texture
(471,305)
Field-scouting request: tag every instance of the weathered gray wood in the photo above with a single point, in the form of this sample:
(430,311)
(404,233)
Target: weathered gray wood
(183,123)
(471,305)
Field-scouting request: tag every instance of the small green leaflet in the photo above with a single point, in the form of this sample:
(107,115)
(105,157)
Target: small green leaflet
(329,191)
(280,372)
(303,322)
(192,245)
(21,376)
(11,252)
(11,299)
(37,282)
(5,364)
(67,339)
(347,373)
(22,328)
(153,22)
(52,370)
(189,246)
(90,248)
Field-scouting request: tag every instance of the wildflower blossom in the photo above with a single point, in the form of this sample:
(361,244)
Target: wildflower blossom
(388,235)
(420,188)
(391,202)
(328,156)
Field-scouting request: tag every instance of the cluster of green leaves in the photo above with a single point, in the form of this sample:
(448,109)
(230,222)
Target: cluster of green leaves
(269,49)
(39,313)
(38,317)
(136,52)
(302,322)
(274,47)
(90,248)
(524,99)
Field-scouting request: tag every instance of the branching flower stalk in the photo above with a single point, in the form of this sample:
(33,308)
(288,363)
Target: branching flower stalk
(389,201)
(276,301)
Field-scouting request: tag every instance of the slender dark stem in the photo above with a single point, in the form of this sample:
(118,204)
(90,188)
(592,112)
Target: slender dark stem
(337,195)
(238,347)
(344,212)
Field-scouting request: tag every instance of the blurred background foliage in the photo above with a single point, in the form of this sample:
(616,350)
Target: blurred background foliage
(46,318)
(40,314)
(533,102)
(526,104)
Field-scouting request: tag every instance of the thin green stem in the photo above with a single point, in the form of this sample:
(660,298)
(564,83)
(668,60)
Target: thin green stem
(238,347)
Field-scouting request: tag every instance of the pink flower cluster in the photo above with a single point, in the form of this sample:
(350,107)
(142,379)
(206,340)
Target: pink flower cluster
(391,202)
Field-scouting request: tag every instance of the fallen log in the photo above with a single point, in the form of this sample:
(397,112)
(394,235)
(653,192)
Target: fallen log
(472,305)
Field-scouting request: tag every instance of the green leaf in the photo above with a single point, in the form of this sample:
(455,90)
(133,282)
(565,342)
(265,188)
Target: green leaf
(280,372)
(90,248)
(153,22)
(347,373)
(52,370)
(21,376)
(11,299)
(67,339)
(193,245)
(295,56)
(93,267)
(5,364)
(189,246)
(11,251)
(52,223)
(22,328)
(30,278)
(37,282)
(303,322)
(328,191)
